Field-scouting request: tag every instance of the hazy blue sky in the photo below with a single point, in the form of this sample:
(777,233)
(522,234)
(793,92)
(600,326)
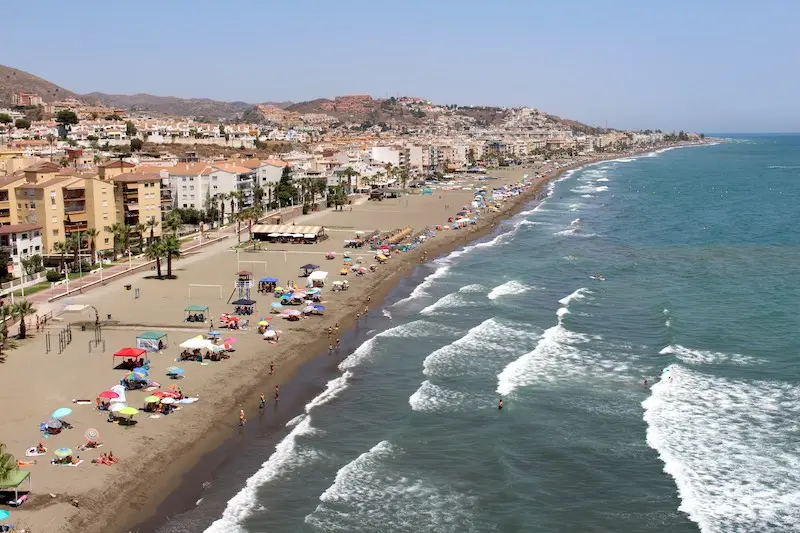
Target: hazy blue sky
(704,65)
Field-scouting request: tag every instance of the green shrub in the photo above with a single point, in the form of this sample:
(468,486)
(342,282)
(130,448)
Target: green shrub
(53,276)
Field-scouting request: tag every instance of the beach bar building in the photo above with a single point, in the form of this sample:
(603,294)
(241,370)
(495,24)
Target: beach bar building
(287,233)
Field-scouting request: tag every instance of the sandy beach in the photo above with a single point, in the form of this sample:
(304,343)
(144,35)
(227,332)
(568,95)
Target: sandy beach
(155,452)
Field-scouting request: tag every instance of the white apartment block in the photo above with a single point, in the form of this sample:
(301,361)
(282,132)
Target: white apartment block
(20,241)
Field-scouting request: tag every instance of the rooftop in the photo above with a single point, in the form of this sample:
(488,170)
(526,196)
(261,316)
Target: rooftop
(18,228)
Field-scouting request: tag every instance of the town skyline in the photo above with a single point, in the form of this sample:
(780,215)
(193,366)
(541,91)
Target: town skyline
(676,66)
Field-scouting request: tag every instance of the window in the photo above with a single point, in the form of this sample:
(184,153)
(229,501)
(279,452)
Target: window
(36,233)
(24,251)
(24,235)
(54,220)
(53,197)
(37,248)
(105,240)
(55,232)
(105,216)
(105,191)
(185,206)
(105,203)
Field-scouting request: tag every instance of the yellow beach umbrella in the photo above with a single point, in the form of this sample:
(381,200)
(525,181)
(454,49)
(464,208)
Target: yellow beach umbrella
(128,411)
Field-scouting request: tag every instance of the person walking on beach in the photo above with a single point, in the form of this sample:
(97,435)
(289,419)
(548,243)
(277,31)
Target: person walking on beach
(366,310)
(261,401)
(337,344)
(330,349)
(271,367)
(242,419)
(277,392)
(358,318)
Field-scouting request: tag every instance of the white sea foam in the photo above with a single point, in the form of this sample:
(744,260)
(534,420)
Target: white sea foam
(421,289)
(705,357)
(574,232)
(507,289)
(578,296)
(784,167)
(625,160)
(731,447)
(479,349)
(668,320)
(365,352)
(287,456)
(367,494)
(474,288)
(332,390)
(386,313)
(604,180)
(449,302)
(557,354)
(602,188)
(575,222)
(432,398)
(587,196)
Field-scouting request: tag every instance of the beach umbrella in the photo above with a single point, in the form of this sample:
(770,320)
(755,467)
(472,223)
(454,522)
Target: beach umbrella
(117,407)
(263,323)
(4,514)
(299,295)
(213,333)
(168,400)
(230,340)
(174,371)
(309,309)
(92,435)
(54,424)
(108,394)
(63,452)
(313,291)
(319,307)
(133,376)
(128,411)
(276,305)
(152,399)
(270,334)
(141,370)
(61,412)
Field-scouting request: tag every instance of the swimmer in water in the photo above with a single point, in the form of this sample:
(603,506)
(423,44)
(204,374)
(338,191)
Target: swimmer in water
(500,404)
(242,419)
(645,383)
(261,401)
(277,392)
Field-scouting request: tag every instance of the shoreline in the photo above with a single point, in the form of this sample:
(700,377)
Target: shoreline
(164,488)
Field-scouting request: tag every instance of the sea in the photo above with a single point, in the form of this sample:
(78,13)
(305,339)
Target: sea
(640,325)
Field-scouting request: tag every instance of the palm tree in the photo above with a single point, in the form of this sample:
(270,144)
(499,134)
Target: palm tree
(151,224)
(222,197)
(258,198)
(74,243)
(139,229)
(117,230)
(6,311)
(391,171)
(153,251)
(8,465)
(173,224)
(404,178)
(233,196)
(60,248)
(350,173)
(171,248)
(22,309)
(91,234)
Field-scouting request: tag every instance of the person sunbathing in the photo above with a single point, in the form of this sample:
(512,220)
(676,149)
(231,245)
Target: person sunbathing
(26,463)
(111,459)
(40,448)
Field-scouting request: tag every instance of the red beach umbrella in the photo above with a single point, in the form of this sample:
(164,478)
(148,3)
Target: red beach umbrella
(108,394)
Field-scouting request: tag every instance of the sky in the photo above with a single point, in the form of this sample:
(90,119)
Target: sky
(699,65)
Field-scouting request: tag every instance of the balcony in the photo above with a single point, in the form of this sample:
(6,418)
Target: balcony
(5,213)
(73,206)
(75,226)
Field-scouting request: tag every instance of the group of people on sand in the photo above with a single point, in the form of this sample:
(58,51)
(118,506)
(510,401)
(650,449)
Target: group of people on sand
(106,459)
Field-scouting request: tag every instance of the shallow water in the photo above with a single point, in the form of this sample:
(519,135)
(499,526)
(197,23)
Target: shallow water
(698,256)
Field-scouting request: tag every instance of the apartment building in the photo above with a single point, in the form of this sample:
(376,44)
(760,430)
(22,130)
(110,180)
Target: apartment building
(190,184)
(137,198)
(19,241)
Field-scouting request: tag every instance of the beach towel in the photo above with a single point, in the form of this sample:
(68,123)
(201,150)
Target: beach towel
(31,452)
(151,389)
(82,402)
(69,464)
(154,416)
(188,400)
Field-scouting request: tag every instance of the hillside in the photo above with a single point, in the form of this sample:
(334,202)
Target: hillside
(13,80)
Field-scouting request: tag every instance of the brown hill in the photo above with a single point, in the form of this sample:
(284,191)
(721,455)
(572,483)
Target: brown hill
(13,80)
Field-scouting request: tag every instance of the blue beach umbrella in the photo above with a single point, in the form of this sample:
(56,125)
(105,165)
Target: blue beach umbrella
(54,424)
(213,333)
(319,307)
(61,412)
(4,514)
(174,371)
(63,452)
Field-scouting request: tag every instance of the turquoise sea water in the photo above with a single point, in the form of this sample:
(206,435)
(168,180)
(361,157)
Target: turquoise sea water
(698,256)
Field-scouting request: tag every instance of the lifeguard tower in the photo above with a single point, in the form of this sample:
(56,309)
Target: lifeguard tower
(244,282)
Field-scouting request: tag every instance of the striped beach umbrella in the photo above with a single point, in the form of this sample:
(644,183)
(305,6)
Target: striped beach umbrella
(92,435)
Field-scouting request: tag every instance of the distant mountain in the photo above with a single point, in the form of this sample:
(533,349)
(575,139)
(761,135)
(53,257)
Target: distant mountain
(13,80)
